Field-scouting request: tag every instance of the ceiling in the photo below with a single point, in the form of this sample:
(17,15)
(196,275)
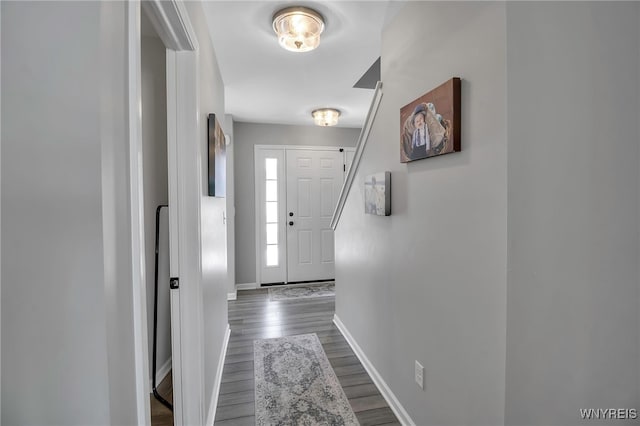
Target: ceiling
(266,84)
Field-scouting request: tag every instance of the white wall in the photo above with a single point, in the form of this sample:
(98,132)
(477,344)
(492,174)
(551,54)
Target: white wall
(428,283)
(154,151)
(67,321)
(214,262)
(573,215)
(246,136)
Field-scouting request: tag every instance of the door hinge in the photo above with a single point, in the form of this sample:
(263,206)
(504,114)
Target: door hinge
(174,283)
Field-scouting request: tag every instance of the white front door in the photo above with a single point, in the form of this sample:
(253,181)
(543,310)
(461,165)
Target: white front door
(314,179)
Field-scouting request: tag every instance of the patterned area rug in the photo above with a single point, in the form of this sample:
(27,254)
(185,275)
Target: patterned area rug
(302,291)
(295,384)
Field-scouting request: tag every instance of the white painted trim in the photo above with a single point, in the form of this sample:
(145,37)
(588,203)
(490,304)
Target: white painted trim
(0,237)
(174,240)
(382,386)
(257,210)
(246,286)
(169,19)
(301,147)
(134,83)
(362,142)
(218,380)
(346,152)
(232,296)
(190,239)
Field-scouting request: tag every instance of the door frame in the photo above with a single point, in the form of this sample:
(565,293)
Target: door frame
(257,182)
(171,21)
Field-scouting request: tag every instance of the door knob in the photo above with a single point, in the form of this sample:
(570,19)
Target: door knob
(290,213)
(291,223)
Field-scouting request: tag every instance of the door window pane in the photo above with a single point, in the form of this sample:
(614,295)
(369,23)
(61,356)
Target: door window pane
(272,190)
(272,255)
(272,212)
(271,204)
(272,233)
(271,165)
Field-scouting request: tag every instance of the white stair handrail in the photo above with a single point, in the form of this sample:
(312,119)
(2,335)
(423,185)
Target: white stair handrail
(362,141)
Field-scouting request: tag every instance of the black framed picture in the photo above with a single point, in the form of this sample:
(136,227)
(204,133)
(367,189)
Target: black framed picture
(217,173)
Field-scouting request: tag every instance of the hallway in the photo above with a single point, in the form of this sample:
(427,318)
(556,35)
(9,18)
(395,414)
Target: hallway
(254,316)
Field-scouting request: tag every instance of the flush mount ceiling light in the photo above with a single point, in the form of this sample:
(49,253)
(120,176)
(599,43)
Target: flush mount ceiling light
(326,116)
(298,28)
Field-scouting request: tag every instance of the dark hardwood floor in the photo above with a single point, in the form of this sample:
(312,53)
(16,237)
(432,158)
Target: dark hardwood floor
(161,415)
(253,316)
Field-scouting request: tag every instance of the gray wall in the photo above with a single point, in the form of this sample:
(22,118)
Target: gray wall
(154,152)
(428,283)
(214,261)
(246,136)
(512,278)
(573,217)
(67,336)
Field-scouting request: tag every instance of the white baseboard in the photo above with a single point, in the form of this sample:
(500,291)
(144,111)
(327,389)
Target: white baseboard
(398,409)
(232,296)
(218,380)
(246,286)
(161,374)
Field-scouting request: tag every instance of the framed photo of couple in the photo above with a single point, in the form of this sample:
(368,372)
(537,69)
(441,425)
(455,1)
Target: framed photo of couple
(430,125)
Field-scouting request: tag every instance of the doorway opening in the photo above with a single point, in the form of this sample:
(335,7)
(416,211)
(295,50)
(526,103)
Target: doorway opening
(156,219)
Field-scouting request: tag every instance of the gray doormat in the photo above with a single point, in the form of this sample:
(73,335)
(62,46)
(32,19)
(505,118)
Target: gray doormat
(295,384)
(302,291)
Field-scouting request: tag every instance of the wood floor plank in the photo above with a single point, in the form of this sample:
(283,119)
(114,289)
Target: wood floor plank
(240,421)
(231,387)
(354,379)
(245,357)
(227,412)
(238,366)
(239,350)
(379,416)
(358,391)
(365,403)
(336,346)
(236,398)
(237,376)
(344,361)
(347,370)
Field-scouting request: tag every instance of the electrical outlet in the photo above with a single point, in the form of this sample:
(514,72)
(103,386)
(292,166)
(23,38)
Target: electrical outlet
(419,375)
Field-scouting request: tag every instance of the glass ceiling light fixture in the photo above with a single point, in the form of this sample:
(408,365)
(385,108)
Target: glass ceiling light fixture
(326,116)
(298,28)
